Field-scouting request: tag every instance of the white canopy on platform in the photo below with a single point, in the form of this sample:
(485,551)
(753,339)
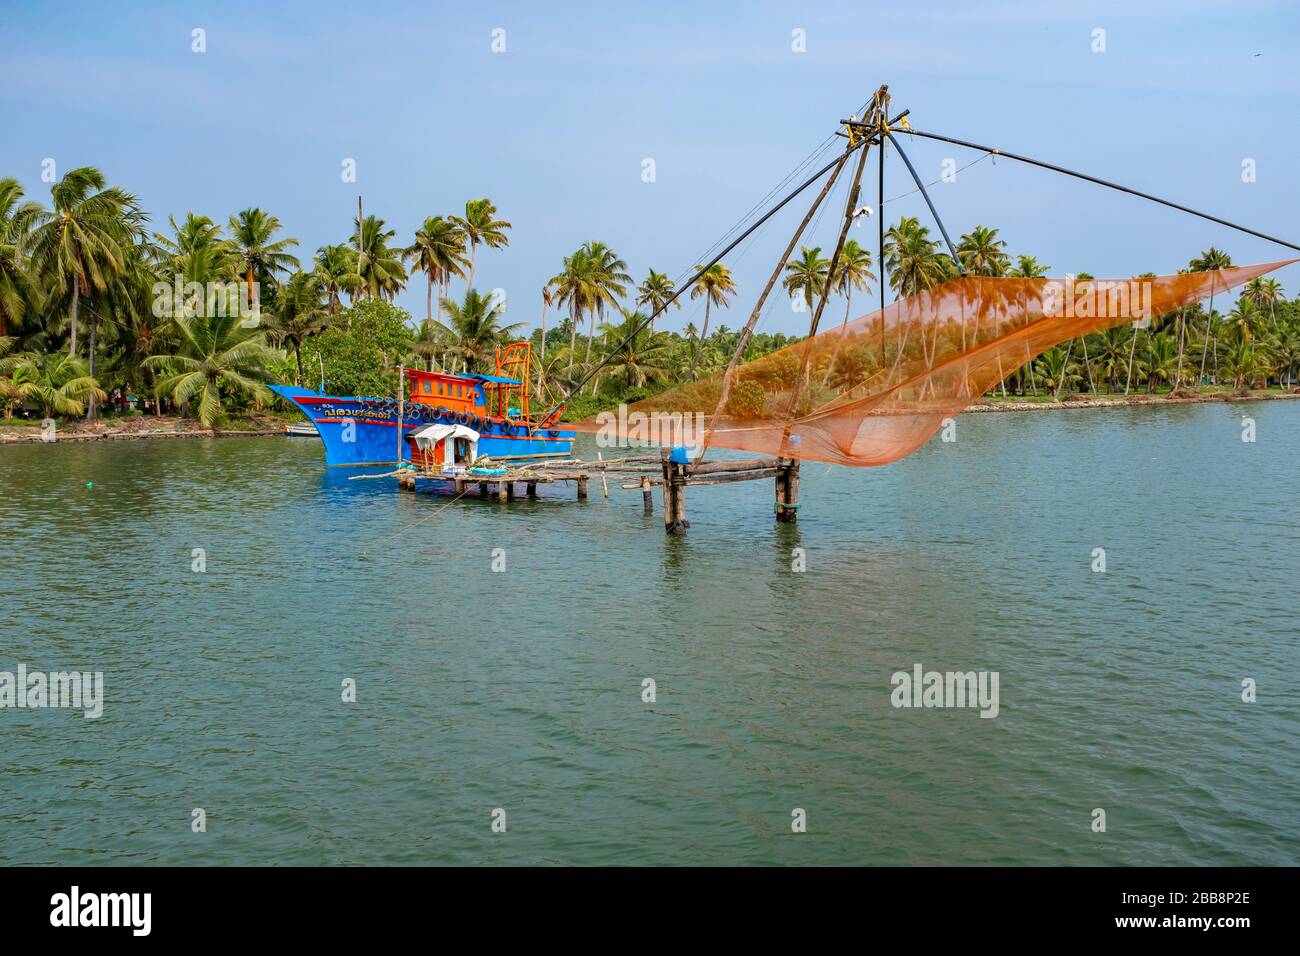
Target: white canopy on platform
(432,434)
(429,436)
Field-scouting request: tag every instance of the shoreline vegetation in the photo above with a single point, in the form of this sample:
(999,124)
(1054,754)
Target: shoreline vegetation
(148,427)
(102,310)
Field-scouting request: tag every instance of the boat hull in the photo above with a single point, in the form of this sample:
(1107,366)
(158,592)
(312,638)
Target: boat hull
(364,431)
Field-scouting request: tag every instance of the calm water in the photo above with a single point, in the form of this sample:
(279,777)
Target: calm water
(522,690)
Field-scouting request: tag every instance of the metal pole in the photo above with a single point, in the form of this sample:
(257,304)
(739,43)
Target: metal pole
(933,212)
(1107,184)
(880,251)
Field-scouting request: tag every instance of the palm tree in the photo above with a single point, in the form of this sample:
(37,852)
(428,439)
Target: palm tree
(380,267)
(853,271)
(140,328)
(1112,354)
(716,285)
(981,252)
(1028,267)
(77,245)
(806,274)
(438,252)
(475,325)
(480,226)
(1244,320)
(1162,361)
(300,315)
(575,287)
(1286,352)
(260,256)
(217,355)
(336,270)
(548,298)
(609,280)
(1245,364)
(1132,348)
(655,293)
(59,383)
(913,258)
(1210,260)
(18,292)
(195,252)
(1055,370)
(1263,292)
(646,356)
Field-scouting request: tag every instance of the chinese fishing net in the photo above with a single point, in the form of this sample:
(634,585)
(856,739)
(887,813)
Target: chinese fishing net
(874,389)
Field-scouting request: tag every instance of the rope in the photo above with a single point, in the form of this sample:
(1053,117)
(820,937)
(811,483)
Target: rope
(365,552)
(960,169)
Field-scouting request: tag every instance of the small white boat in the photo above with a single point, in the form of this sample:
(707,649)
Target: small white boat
(301,430)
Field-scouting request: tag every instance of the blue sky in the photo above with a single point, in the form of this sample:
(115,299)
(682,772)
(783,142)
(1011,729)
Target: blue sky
(555,129)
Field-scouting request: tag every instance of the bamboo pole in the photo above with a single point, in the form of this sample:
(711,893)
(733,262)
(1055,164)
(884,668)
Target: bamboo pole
(604,482)
(748,330)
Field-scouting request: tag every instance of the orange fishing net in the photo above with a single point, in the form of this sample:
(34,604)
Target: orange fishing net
(876,388)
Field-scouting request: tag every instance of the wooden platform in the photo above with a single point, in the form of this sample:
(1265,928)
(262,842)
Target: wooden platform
(521,481)
(518,482)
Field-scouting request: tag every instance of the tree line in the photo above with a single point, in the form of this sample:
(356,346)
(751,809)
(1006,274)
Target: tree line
(200,317)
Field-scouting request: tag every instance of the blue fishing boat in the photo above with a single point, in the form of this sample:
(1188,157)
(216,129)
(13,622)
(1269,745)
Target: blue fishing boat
(446,421)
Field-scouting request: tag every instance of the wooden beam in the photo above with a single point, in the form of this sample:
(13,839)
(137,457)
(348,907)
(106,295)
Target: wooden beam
(715,467)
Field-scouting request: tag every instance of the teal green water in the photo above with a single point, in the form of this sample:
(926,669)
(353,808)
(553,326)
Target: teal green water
(522,690)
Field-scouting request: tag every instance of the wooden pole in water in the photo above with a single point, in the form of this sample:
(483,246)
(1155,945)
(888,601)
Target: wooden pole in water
(680,524)
(401,408)
(582,488)
(784,490)
(779,507)
(647,497)
(604,482)
(668,491)
(792,492)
